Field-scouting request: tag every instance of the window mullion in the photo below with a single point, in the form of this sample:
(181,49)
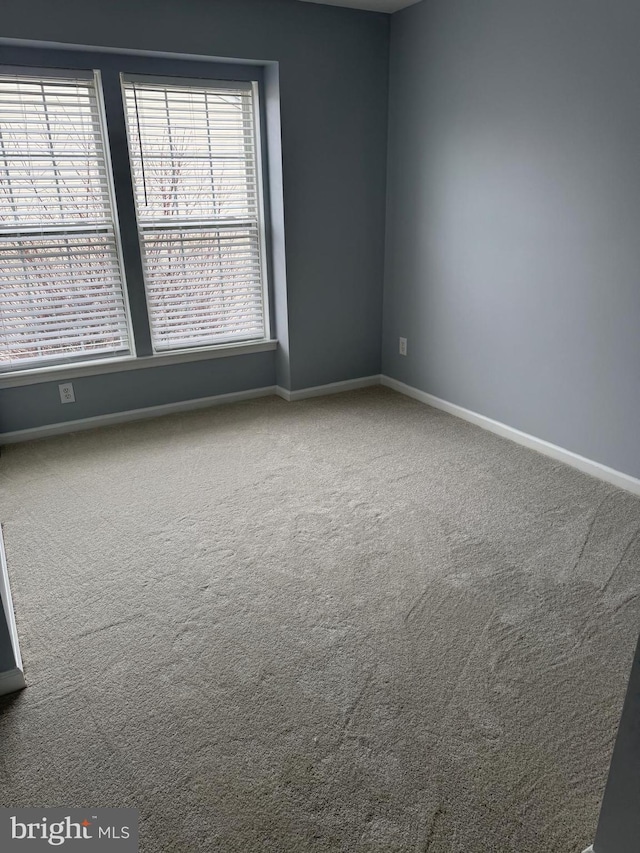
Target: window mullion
(126,210)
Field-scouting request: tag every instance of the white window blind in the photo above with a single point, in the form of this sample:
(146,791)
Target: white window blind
(196,179)
(61,282)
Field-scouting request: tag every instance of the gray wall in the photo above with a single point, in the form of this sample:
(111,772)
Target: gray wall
(37,405)
(513,236)
(619,824)
(333,79)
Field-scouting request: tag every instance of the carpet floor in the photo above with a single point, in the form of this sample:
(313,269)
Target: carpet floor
(351,623)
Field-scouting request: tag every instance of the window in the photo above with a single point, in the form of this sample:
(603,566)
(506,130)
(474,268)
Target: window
(194,161)
(192,164)
(61,282)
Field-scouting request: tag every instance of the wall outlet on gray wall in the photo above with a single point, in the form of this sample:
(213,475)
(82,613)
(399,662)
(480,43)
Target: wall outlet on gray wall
(403,346)
(66,393)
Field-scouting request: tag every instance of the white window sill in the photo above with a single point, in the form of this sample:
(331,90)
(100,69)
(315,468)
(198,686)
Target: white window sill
(129,362)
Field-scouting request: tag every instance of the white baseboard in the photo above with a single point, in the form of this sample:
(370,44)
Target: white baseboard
(133,415)
(588,850)
(11,681)
(331,388)
(587,466)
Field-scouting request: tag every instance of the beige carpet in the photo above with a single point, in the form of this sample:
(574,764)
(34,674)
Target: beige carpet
(346,624)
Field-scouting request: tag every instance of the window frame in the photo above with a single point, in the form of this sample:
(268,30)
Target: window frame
(93,76)
(260,195)
(111,65)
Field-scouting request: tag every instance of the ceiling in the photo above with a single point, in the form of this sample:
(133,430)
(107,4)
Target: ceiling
(371,5)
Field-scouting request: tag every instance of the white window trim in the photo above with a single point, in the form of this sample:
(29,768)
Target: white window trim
(231,84)
(56,372)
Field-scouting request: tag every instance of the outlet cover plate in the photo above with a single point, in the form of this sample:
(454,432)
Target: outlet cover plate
(67,394)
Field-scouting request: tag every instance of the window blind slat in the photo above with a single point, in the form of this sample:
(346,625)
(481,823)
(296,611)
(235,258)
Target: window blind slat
(61,283)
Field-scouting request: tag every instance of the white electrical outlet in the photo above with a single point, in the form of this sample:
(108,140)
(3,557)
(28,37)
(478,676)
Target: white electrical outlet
(66,393)
(403,346)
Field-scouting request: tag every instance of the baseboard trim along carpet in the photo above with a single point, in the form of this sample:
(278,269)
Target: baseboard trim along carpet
(587,466)
(133,415)
(331,388)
